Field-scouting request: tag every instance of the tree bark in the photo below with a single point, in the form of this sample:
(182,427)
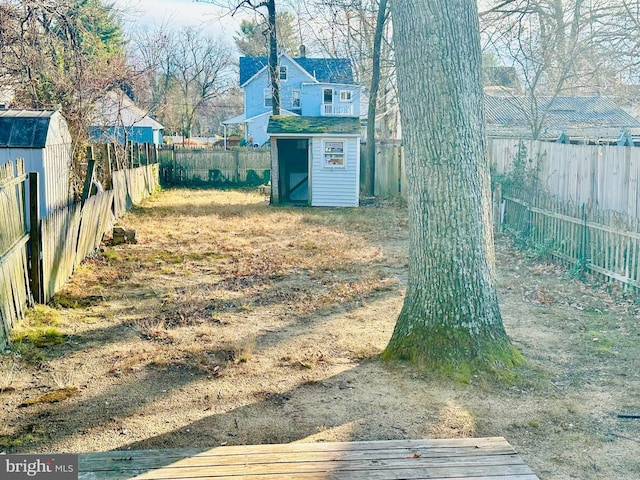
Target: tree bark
(274,71)
(451,319)
(370,157)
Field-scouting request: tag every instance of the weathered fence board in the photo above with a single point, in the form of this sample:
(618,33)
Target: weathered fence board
(69,235)
(59,245)
(14,279)
(603,175)
(606,244)
(390,175)
(131,186)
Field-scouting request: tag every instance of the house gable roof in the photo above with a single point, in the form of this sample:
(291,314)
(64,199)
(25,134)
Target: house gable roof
(325,70)
(560,113)
(116,109)
(314,125)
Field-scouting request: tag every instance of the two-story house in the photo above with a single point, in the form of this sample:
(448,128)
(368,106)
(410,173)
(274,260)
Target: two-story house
(310,87)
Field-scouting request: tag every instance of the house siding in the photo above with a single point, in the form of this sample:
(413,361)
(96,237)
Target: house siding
(254,90)
(258,130)
(335,187)
(312,98)
(133,134)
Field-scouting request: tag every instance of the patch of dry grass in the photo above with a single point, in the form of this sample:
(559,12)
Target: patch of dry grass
(233,322)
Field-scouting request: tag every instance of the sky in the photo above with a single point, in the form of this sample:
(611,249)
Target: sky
(179,13)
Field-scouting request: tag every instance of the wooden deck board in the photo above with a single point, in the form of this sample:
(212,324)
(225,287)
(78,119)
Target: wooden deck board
(469,458)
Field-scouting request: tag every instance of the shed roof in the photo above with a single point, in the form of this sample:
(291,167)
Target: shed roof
(560,113)
(314,125)
(326,70)
(25,128)
(116,109)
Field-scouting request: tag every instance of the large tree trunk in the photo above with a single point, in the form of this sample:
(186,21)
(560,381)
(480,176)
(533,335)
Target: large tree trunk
(450,319)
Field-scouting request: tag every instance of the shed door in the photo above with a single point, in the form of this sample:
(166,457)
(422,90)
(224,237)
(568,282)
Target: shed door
(293,162)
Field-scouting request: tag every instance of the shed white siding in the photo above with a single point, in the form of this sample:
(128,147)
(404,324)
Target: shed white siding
(335,186)
(52,162)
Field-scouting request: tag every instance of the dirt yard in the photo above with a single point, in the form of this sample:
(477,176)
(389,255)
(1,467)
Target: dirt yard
(231,322)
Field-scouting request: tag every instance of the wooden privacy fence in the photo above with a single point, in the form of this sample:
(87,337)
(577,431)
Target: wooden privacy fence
(61,240)
(70,234)
(603,175)
(14,275)
(390,173)
(214,166)
(131,186)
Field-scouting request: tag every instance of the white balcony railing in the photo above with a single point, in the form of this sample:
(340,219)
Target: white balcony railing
(330,109)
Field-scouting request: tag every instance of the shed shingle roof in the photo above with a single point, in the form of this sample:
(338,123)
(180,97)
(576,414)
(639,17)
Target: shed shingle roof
(325,70)
(314,125)
(24,128)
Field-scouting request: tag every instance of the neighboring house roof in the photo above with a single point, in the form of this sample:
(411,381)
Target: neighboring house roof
(116,109)
(324,70)
(29,128)
(314,125)
(7,95)
(560,114)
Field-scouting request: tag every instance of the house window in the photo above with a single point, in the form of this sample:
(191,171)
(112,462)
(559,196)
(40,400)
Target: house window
(333,154)
(345,95)
(283,73)
(327,96)
(268,97)
(295,98)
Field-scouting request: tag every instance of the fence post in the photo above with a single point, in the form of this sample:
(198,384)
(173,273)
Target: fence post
(88,181)
(497,203)
(106,160)
(237,169)
(35,240)
(585,237)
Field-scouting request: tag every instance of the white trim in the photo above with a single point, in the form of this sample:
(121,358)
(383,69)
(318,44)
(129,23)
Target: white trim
(351,85)
(283,111)
(267,95)
(295,97)
(308,74)
(235,120)
(337,136)
(340,155)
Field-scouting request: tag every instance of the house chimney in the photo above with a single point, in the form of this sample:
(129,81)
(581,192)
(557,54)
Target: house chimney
(303,51)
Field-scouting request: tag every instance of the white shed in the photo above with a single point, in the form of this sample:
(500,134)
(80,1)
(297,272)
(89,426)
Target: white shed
(315,160)
(42,139)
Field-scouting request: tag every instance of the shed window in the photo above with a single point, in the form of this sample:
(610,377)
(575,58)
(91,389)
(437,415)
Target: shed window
(333,154)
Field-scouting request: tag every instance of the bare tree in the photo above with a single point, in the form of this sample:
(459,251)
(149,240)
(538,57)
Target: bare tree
(369,168)
(184,71)
(200,67)
(271,23)
(561,47)
(62,55)
(253,37)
